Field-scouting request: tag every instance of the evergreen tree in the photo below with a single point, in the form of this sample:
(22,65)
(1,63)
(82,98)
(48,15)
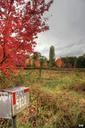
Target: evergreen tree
(52,56)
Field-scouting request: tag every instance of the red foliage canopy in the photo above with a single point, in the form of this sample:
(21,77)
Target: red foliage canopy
(59,63)
(20,22)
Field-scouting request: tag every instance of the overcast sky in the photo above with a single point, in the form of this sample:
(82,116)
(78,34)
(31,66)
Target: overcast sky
(67,29)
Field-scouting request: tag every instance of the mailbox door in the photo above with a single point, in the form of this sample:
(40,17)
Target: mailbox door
(20,101)
(5,105)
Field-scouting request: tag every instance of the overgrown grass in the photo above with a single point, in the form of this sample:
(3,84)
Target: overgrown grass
(57,99)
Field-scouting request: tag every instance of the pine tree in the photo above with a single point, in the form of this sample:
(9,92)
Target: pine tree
(51,56)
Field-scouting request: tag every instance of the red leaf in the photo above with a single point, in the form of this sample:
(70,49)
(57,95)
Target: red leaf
(19,26)
(1,53)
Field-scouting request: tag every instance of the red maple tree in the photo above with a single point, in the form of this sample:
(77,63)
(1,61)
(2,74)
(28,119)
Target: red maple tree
(20,22)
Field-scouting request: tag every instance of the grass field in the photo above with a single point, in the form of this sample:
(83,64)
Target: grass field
(57,99)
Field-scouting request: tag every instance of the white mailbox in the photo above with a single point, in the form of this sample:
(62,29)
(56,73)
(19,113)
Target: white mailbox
(13,101)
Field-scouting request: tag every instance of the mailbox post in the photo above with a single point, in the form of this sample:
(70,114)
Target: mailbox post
(13,101)
(14,121)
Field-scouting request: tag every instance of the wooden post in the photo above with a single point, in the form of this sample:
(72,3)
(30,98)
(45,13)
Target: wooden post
(14,122)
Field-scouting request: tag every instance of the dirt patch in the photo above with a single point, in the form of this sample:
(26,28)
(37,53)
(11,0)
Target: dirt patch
(80,88)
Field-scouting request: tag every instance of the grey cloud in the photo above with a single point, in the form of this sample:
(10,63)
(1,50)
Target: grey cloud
(72,45)
(67,29)
(71,51)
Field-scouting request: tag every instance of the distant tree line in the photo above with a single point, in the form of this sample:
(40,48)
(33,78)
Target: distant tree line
(74,62)
(36,60)
(65,62)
